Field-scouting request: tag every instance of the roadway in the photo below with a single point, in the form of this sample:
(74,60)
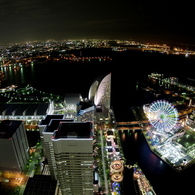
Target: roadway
(129,128)
(130,125)
(103,164)
(132,122)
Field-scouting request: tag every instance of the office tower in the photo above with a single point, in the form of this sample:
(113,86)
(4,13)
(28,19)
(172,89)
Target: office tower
(73,149)
(47,142)
(43,124)
(69,151)
(14,146)
(45,135)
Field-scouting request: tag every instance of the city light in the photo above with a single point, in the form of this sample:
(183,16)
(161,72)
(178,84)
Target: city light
(168,130)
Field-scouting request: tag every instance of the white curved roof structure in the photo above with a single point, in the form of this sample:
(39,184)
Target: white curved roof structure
(102,95)
(93,90)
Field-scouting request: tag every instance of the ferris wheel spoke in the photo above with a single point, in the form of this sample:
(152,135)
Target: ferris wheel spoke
(163,115)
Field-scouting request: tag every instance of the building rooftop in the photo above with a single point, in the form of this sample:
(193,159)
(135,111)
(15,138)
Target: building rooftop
(17,109)
(8,128)
(40,184)
(54,123)
(20,110)
(73,130)
(48,118)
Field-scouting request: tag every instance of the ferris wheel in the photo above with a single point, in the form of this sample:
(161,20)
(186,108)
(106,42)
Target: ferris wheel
(163,115)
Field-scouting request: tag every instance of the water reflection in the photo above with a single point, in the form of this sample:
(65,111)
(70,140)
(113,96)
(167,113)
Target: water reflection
(163,178)
(22,75)
(32,68)
(14,75)
(123,136)
(135,136)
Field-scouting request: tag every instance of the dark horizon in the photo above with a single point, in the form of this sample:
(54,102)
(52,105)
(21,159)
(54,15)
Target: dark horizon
(157,21)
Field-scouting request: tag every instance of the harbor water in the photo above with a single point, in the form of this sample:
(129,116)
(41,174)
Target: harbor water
(127,69)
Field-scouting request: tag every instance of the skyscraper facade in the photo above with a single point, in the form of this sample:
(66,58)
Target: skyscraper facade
(14,146)
(48,145)
(68,141)
(73,149)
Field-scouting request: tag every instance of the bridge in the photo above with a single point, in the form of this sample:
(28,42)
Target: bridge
(129,128)
(130,125)
(132,122)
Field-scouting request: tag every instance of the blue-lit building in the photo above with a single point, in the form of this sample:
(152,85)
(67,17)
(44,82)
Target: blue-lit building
(99,95)
(68,140)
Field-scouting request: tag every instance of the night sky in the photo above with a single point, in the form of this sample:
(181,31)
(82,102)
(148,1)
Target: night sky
(152,20)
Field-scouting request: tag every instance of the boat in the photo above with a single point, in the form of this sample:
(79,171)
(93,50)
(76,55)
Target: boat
(142,185)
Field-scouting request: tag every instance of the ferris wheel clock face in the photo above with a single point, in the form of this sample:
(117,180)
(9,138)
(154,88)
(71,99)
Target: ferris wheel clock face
(163,115)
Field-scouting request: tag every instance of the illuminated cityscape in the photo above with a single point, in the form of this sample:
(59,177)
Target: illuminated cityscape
(74,142)
(69,143)
(171,126)
(97,97)
(17,55)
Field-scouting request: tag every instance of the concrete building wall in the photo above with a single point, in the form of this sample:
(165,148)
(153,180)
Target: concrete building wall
(8,160)
(20,146)
(49,153)
(74,162)
(14,151)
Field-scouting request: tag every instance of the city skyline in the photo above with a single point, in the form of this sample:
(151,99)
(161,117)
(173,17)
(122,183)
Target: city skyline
(150,21)
(42,79)
(96,95)
(112,144)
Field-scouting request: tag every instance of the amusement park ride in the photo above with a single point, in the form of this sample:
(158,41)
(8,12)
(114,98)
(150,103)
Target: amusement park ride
(162,115)
(167,134)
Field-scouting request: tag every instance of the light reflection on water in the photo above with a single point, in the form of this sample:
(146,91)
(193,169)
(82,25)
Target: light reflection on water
(123,136)
(22,75)
(135,148)
(163,178)
(135,136)
(17,75)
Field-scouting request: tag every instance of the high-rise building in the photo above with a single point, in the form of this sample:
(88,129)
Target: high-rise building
(68,140)
(14,146)
(45,122)
(47,142)
(73,149)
